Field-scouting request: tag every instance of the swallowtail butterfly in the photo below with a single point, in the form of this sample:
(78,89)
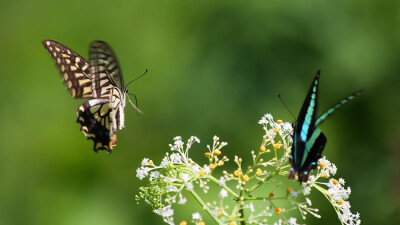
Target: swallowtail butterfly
(100,81)
(308,140)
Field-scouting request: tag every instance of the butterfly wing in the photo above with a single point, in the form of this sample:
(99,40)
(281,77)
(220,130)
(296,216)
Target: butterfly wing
(304,129)
(105,69)
(95,120)
(74,69)
(328,112)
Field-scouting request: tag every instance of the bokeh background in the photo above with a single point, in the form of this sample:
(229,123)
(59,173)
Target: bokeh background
(215,67)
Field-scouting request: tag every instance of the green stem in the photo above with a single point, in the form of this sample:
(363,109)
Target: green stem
(204,205)
(225,187)
(265,180)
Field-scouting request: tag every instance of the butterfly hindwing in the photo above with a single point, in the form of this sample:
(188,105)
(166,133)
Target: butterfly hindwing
(95,120)
(73,68)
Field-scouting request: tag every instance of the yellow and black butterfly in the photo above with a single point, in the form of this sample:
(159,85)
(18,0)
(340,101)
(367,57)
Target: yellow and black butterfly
(99,80)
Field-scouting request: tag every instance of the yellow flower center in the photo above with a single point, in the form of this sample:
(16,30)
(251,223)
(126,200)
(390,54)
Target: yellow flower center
(262,148)
(245,178)
(271,195)
(278,145)
(279,121)
(236,173)
(278,211)
(213,166)
(217,152)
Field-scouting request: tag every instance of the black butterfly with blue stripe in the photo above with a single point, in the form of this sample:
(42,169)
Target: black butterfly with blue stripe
(308,140)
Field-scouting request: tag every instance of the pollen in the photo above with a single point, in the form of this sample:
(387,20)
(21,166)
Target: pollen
(276,130)
(334,181)
(320,165)
(217,152)
(202,173)
(279,121)
(278,211)
(220,163)
(183,222)
(201,223)
(236,173)
(262,148)
(278,145)
(324,175)
(341,202)
(150,162)
(259,171)
(219,213)
(289,190)
(246,178)
(213,166)
(271,195)
(207,154)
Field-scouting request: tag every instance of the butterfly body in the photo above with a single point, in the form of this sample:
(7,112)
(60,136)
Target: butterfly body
(309,141)
(99,80)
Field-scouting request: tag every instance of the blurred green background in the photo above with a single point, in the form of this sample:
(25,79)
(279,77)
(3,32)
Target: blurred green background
(215,67)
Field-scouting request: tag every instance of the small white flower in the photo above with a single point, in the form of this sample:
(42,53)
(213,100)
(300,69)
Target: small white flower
(307,190)
(292,221)
(207,169)
(171,188)
(223,193)
(164,163)
(154,175)
(176,158)
(185,177)
(215,138)
(288,127)
(215,212)
(196,216)
(308,201)
(263,121)
(182,201)
(141,173)
(165,212)
(145,162)
(221,182)
(189,187)
(269,116)
(196,169)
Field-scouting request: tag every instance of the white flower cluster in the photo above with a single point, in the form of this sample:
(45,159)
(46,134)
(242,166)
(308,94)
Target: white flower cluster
(178,175)
(334,190)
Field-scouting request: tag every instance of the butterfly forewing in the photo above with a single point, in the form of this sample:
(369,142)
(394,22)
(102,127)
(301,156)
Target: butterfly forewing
(105,69)
(73,68)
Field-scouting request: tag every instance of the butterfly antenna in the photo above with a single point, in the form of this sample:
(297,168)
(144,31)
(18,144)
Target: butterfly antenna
(136,78)
(134,105)
(287,107)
